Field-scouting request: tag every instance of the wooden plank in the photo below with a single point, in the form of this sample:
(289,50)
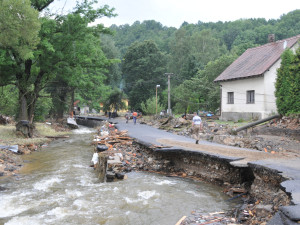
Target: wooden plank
(181,220)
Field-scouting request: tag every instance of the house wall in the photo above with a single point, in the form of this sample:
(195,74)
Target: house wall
(269,90)
(265,101)
(240,109)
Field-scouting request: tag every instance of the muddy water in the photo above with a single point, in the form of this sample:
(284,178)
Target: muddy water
(57,186)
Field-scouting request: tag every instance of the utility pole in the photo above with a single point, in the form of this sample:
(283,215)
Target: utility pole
(169,93)
(157,86)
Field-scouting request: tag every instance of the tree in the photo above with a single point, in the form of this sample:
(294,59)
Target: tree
(191,52)
(19,28)
(206,48)
(81,64)
(114,101)
(32,75)
(201,92)
(143,69)
(8,100)
(149,106)
(114,74)
(288,83)
(181,62)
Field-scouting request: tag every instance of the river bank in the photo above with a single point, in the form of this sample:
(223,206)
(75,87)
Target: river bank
(256,202)
(268,178)
(57,186)
(14,145)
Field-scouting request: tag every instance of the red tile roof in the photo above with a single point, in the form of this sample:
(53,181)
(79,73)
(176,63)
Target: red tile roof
(256,61)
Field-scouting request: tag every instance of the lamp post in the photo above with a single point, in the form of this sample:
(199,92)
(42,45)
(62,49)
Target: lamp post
(169,93)
(157,86)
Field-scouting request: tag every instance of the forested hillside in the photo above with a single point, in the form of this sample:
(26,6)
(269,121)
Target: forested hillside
(48,62)
(195,53)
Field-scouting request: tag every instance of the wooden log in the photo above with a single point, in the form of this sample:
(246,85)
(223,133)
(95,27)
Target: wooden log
(57,136)
(234,131)
(181,220)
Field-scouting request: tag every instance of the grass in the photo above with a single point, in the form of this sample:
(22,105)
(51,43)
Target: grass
(46,130)
(8,135)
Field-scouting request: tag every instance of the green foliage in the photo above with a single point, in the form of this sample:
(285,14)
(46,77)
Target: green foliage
(114,101)
(126,35)
(149,107)
(8,100)
(114,74)
(42,109)
(200,92)
(143,69)
(288,83)
(19,27)
(70,58)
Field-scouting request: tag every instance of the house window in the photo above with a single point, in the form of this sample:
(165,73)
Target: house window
(251,97)
(230,98)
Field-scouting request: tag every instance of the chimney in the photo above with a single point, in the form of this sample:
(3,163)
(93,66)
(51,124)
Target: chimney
(271,38)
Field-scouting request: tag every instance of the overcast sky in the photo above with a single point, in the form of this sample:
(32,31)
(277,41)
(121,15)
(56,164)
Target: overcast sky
(175,12)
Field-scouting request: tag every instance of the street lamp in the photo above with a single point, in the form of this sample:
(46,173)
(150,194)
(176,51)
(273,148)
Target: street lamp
(157,86)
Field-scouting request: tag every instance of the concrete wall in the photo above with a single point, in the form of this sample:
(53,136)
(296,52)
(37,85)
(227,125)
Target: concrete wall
(89,122)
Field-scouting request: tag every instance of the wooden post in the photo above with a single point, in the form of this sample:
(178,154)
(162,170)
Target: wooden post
(101,166)
(157,86)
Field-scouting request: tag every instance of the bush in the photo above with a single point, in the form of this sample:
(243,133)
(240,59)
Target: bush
(288,83)
(149,107)
(9,100)
(42,109)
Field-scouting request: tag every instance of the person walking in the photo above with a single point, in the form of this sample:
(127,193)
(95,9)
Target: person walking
(127,116)
(134,116)
(196,127)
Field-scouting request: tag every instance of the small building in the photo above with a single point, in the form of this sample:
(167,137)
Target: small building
(124,100)
(84,110)
(248,84)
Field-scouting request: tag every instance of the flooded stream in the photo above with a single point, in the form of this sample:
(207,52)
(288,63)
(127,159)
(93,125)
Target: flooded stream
(57,186)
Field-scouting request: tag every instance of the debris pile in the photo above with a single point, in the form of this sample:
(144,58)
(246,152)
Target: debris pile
(198,217)
(114,145)
(5,120)
(10,157)
(124,155)
(279,135)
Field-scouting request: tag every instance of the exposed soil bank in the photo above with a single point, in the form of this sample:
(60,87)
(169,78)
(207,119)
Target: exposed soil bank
(258,187)
(11,162)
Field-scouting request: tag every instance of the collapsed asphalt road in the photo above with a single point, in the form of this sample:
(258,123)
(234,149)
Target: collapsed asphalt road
(287,166)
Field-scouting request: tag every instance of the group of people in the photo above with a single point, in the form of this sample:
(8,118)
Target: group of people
(134,116)
(197,126)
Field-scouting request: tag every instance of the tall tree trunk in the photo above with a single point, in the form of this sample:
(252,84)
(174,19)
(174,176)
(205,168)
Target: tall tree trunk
(31,109)
(23,113)
(61,106)
(71,105)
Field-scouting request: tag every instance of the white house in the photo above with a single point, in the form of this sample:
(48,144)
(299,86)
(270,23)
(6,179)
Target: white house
(248,84)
